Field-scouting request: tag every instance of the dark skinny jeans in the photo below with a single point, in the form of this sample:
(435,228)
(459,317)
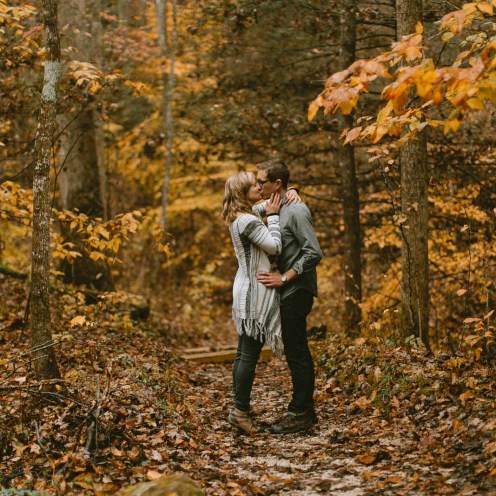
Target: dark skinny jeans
(244,367)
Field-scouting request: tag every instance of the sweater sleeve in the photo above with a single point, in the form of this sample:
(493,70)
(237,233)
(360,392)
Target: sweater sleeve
(268,238)
(260,208)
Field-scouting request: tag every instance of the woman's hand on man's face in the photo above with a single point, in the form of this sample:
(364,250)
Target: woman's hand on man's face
(273,204)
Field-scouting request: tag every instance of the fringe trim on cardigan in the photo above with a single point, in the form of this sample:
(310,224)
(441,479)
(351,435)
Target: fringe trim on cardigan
(257,330)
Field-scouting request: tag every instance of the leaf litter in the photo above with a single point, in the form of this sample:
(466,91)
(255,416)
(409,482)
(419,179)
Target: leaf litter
(391,420)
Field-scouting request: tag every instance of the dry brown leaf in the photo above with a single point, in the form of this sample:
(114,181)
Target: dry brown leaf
(362,403)
(395,479)
(153,475)
(366,459)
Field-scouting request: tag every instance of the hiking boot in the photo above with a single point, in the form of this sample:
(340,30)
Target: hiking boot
(294,422)
(243,421)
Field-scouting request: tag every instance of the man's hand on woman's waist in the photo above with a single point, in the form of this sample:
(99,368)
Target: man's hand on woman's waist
(276,279)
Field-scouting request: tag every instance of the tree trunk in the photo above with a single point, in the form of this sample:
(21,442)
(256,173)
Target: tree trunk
(45,363)
(414,207)
(123,10)
(98,112)
(349,188)
(168,94)
(82,179)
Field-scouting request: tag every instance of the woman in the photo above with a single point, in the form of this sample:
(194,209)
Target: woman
(256,311)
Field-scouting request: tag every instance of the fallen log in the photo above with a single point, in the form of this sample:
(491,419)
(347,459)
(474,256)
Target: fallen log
(12,273)
(208,349)
(220,356)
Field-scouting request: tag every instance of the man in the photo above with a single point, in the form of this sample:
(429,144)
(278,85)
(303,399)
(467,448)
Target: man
(297,279)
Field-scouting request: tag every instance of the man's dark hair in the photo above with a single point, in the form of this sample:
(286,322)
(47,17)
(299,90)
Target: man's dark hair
(276,169)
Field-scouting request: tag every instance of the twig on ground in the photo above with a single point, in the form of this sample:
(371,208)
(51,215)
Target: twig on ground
(93,429)
(42,446)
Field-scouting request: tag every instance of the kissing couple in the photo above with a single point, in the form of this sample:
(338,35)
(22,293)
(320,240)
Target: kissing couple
(271,301)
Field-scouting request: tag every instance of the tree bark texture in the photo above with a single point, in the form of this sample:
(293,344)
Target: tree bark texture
(45,363)
(349,187)
(123,10)
(98,112)
(414,209)
(168,52)
(82,178)
(79,176)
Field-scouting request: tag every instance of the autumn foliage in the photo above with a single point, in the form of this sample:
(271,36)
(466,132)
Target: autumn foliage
(466,85)
(127,407)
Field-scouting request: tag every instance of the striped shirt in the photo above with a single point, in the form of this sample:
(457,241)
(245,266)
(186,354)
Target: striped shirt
(256,311)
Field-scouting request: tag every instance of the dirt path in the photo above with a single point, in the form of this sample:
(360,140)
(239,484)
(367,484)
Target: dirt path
(306,464)
(355,450)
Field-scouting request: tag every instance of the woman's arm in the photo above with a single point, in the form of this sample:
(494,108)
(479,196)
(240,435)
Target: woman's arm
(268,238)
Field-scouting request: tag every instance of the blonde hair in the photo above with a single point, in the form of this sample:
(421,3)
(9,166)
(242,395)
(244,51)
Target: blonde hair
(235,199)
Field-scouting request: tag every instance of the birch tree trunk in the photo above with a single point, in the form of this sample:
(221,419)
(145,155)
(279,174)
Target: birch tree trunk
(349,187)
(168,52)
(45,363)
(414,208)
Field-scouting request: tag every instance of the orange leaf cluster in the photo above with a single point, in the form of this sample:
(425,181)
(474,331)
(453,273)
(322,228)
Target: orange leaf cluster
(343,89)
(455,22)
(465,85)
(90,77)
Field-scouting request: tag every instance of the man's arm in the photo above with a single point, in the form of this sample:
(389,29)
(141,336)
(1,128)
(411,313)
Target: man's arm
(302,227)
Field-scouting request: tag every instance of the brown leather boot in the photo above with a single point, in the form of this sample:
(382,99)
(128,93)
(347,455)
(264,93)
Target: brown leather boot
(294,422)
(243,421)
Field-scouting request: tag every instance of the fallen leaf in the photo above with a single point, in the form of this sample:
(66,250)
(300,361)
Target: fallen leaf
(361,403)
(366,459)
(79,320)
(395,479)
(156,456)
(488,314)
(153,475)
(464,397)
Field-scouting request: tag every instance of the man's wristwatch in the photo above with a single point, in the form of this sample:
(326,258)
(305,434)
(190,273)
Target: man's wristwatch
(284,279)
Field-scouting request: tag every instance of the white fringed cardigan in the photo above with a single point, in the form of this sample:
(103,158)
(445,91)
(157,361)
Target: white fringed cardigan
(256,309)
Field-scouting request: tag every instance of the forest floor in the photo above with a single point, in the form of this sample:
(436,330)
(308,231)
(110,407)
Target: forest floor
(319,461)
(354,450)
(391,420)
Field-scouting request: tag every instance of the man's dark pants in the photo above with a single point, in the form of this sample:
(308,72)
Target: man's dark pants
(294,311)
